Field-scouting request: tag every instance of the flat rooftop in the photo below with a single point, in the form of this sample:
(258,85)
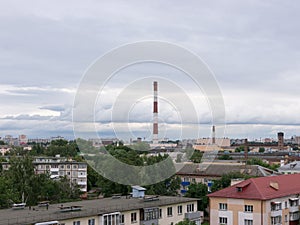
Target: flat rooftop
(89,208)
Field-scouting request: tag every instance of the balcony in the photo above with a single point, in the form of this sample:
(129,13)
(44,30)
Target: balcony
(81,175)
(185,183)
(54,169)
(294,208)
(81,169)
(81,182)
(194,215)
(276,213)
(54,176)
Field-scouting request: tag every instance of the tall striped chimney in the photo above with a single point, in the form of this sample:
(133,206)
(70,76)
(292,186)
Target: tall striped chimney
(155,114)
(213,135)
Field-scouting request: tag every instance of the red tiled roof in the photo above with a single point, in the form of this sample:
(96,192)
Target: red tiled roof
(262,188)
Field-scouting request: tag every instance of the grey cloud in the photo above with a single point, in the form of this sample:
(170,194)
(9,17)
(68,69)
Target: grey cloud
(252,46)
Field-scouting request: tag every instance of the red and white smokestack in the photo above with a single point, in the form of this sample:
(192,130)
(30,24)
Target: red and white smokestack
(213,135)
(155,114)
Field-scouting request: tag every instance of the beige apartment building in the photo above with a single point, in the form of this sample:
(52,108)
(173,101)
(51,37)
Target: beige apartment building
(270,200)
(156,210)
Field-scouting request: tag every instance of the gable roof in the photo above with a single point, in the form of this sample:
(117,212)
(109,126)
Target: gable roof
(262,188)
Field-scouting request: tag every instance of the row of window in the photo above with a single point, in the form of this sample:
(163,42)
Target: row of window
(149,215)
(68,173)
(42,166)
(90,222)
(274,219)
(189,208)
(247,208)
(274,206)
(224,221)
(278,205)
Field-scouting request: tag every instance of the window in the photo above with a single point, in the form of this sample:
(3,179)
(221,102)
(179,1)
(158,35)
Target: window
(248,222)
(222,206)
(179,209)
(133,217)
(275,220)
(169,211)
(111,219)
(91,222)
(275,206)
(160,213)
(294,216)
(223,220)
(248,208)
(285,218)
(76,223)
(190,208)
(151,213)
(294,202)
(81,166)
(285,204)
(122,218)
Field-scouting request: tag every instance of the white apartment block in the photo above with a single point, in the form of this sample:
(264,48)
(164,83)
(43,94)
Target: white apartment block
(59,167)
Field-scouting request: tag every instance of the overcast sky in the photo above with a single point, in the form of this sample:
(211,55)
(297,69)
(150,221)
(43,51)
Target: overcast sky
(252,47)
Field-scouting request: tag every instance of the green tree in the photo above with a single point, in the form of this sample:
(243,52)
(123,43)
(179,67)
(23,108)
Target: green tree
(225,157)
(261,149)
(186,222)
(196,157)
(21,174)
(199,191)
(226,180)
(260,162)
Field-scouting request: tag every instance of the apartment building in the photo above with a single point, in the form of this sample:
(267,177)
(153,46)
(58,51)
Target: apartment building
(110,211)
(60,167)
(258,201)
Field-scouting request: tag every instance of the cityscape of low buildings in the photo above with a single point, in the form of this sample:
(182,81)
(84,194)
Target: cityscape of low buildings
(266,199)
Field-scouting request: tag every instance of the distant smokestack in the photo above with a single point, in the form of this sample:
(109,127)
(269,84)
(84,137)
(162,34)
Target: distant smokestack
(213,135)
(280,136)
(155,114)
(246,148)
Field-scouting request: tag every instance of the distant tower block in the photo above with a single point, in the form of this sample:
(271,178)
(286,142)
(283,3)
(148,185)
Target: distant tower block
(280,140)
(213,135)
(155,114)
